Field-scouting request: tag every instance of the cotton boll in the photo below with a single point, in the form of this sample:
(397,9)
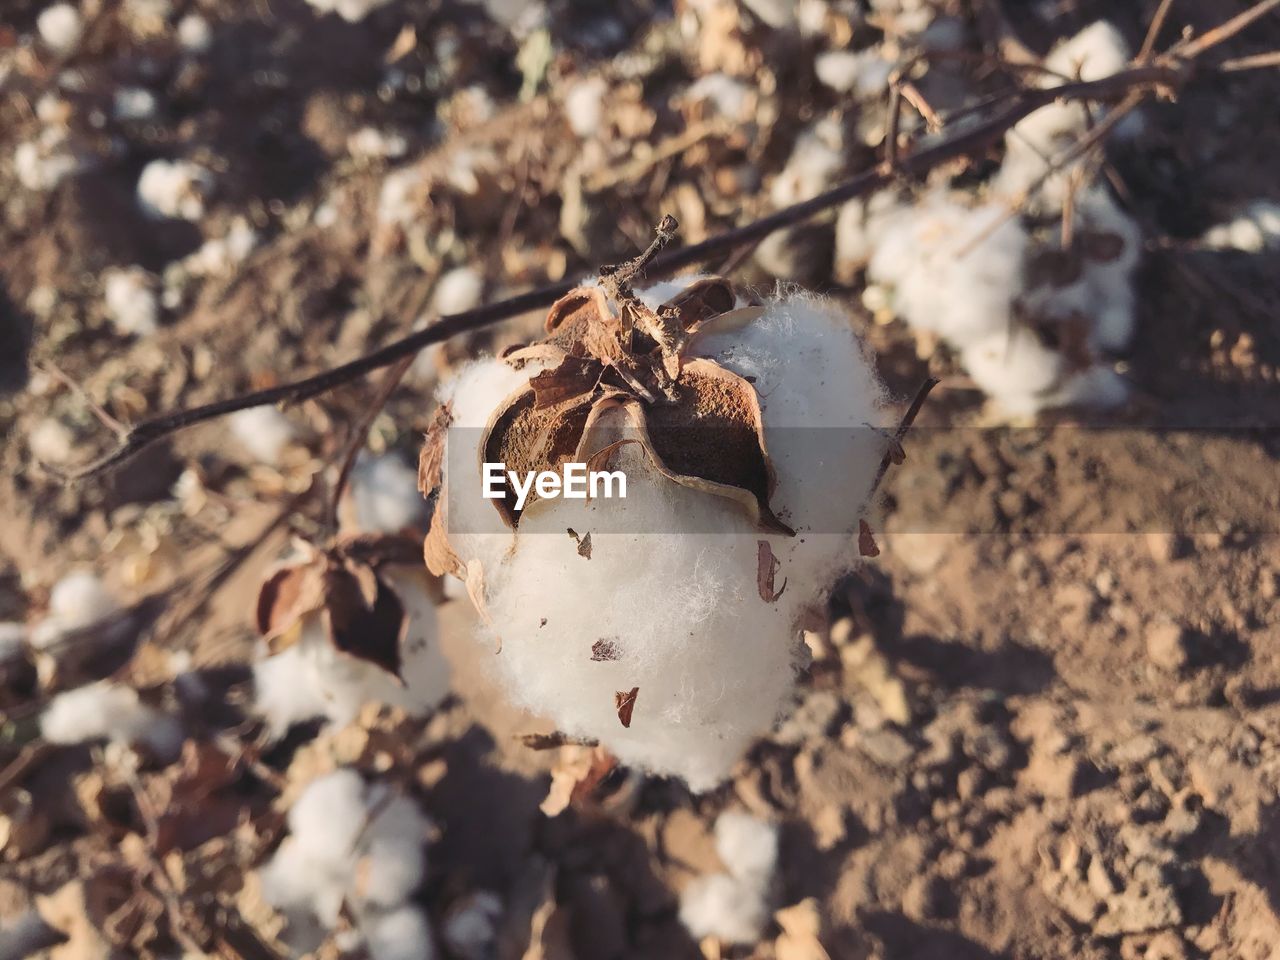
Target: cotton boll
(353,11)
(955,269)
(43,163)
(134,103)
(1095,52)
(859,226)
(393,862)
(283,693)
(174,189)
(384,491)
(815,162)
(713,662)
(219,254)
(584,106)
(108,711)
(370,143)
(396,203)
(131,303)
(748,846)
(721,96)
(1111,280)
(725,908)
(401,934)
(263,432)
(864,73)
(329,816)
(471,925)
(1254,229)
(1015,369)
(80,599)
(457,291)
(194,33)
(61,27)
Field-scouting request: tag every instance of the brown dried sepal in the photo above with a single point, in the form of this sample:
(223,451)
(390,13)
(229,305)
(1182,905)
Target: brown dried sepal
(605,650)
(431,460)
(867,545)
(362,615)
(766,569)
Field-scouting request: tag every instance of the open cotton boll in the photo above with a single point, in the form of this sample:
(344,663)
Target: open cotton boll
(401,934)
(131,302)
(859,226)
(329,815)
(352,11)
(80,599)
(1024,376)
(815,162)
(43,163)
(720,95)
(263,432)
(174,189)
(457,291)
(311,679)
(108,711)
(394,860)
(1254,229)
(954,269)
(61,27)
(747,845)
(672,579)
(584,106)
(384,492)
(864,73)
(723,907)
(194,33)
(1095,52)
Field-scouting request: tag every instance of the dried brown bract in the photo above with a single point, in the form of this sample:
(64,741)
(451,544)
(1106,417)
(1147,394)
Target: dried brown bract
(361,614)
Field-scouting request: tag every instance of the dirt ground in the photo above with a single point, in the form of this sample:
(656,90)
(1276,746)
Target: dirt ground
(1043,723)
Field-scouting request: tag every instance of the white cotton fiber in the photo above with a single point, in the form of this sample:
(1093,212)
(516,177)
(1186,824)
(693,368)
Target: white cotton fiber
(584,106)
(174,189)
(815,162)
(263,432)
(131,302)
(311,679)
(470,926)
(747,845)
(402,934)
(43,163)
(720,95)
(863,73)
(725,908)
(384,490)
(194,33)
(80,599)
(457,291)
(1254,229)
(352,11)
(349,843)
(108,711)
(1024,376)
(955,269)
(61,27)
(678,602)
(1095,52)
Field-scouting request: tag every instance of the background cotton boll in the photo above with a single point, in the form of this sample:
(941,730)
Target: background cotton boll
(264,432)
(384,494)
(1015,368)
(284,693)
(1252,230)
(194,33)
(61,27)
(134,103)
(353,11)
(80,599)
(329,815)
(393,861)
(723,907)
(400,934)
(724,95)
(584,106)
(43,163)
(131,302)
(470,926)
(955,270)
(1095,52)
(174,189)
(864,73)
(859,226)
(747,845)
(816,160)
(107,711)
(457,291)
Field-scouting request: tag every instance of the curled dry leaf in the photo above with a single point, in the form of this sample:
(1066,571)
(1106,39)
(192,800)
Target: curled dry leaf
(766,569)
(867,545)
(362,615)
(625,701)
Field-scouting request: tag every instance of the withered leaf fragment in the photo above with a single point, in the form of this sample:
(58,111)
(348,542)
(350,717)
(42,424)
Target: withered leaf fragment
(626,704)
(431,460)
(766,568)
(584,546)
(361,614)
(867,546)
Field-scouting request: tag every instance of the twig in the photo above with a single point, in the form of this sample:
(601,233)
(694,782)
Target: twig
(1153,31)
(106,419)
(1165,76)
(894,452)
(1259,61)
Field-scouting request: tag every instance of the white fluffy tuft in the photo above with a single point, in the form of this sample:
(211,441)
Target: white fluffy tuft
(263,432)
(384,491)
(714,663)
(131,302)
(174,189)
(61,27)
(108,711)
